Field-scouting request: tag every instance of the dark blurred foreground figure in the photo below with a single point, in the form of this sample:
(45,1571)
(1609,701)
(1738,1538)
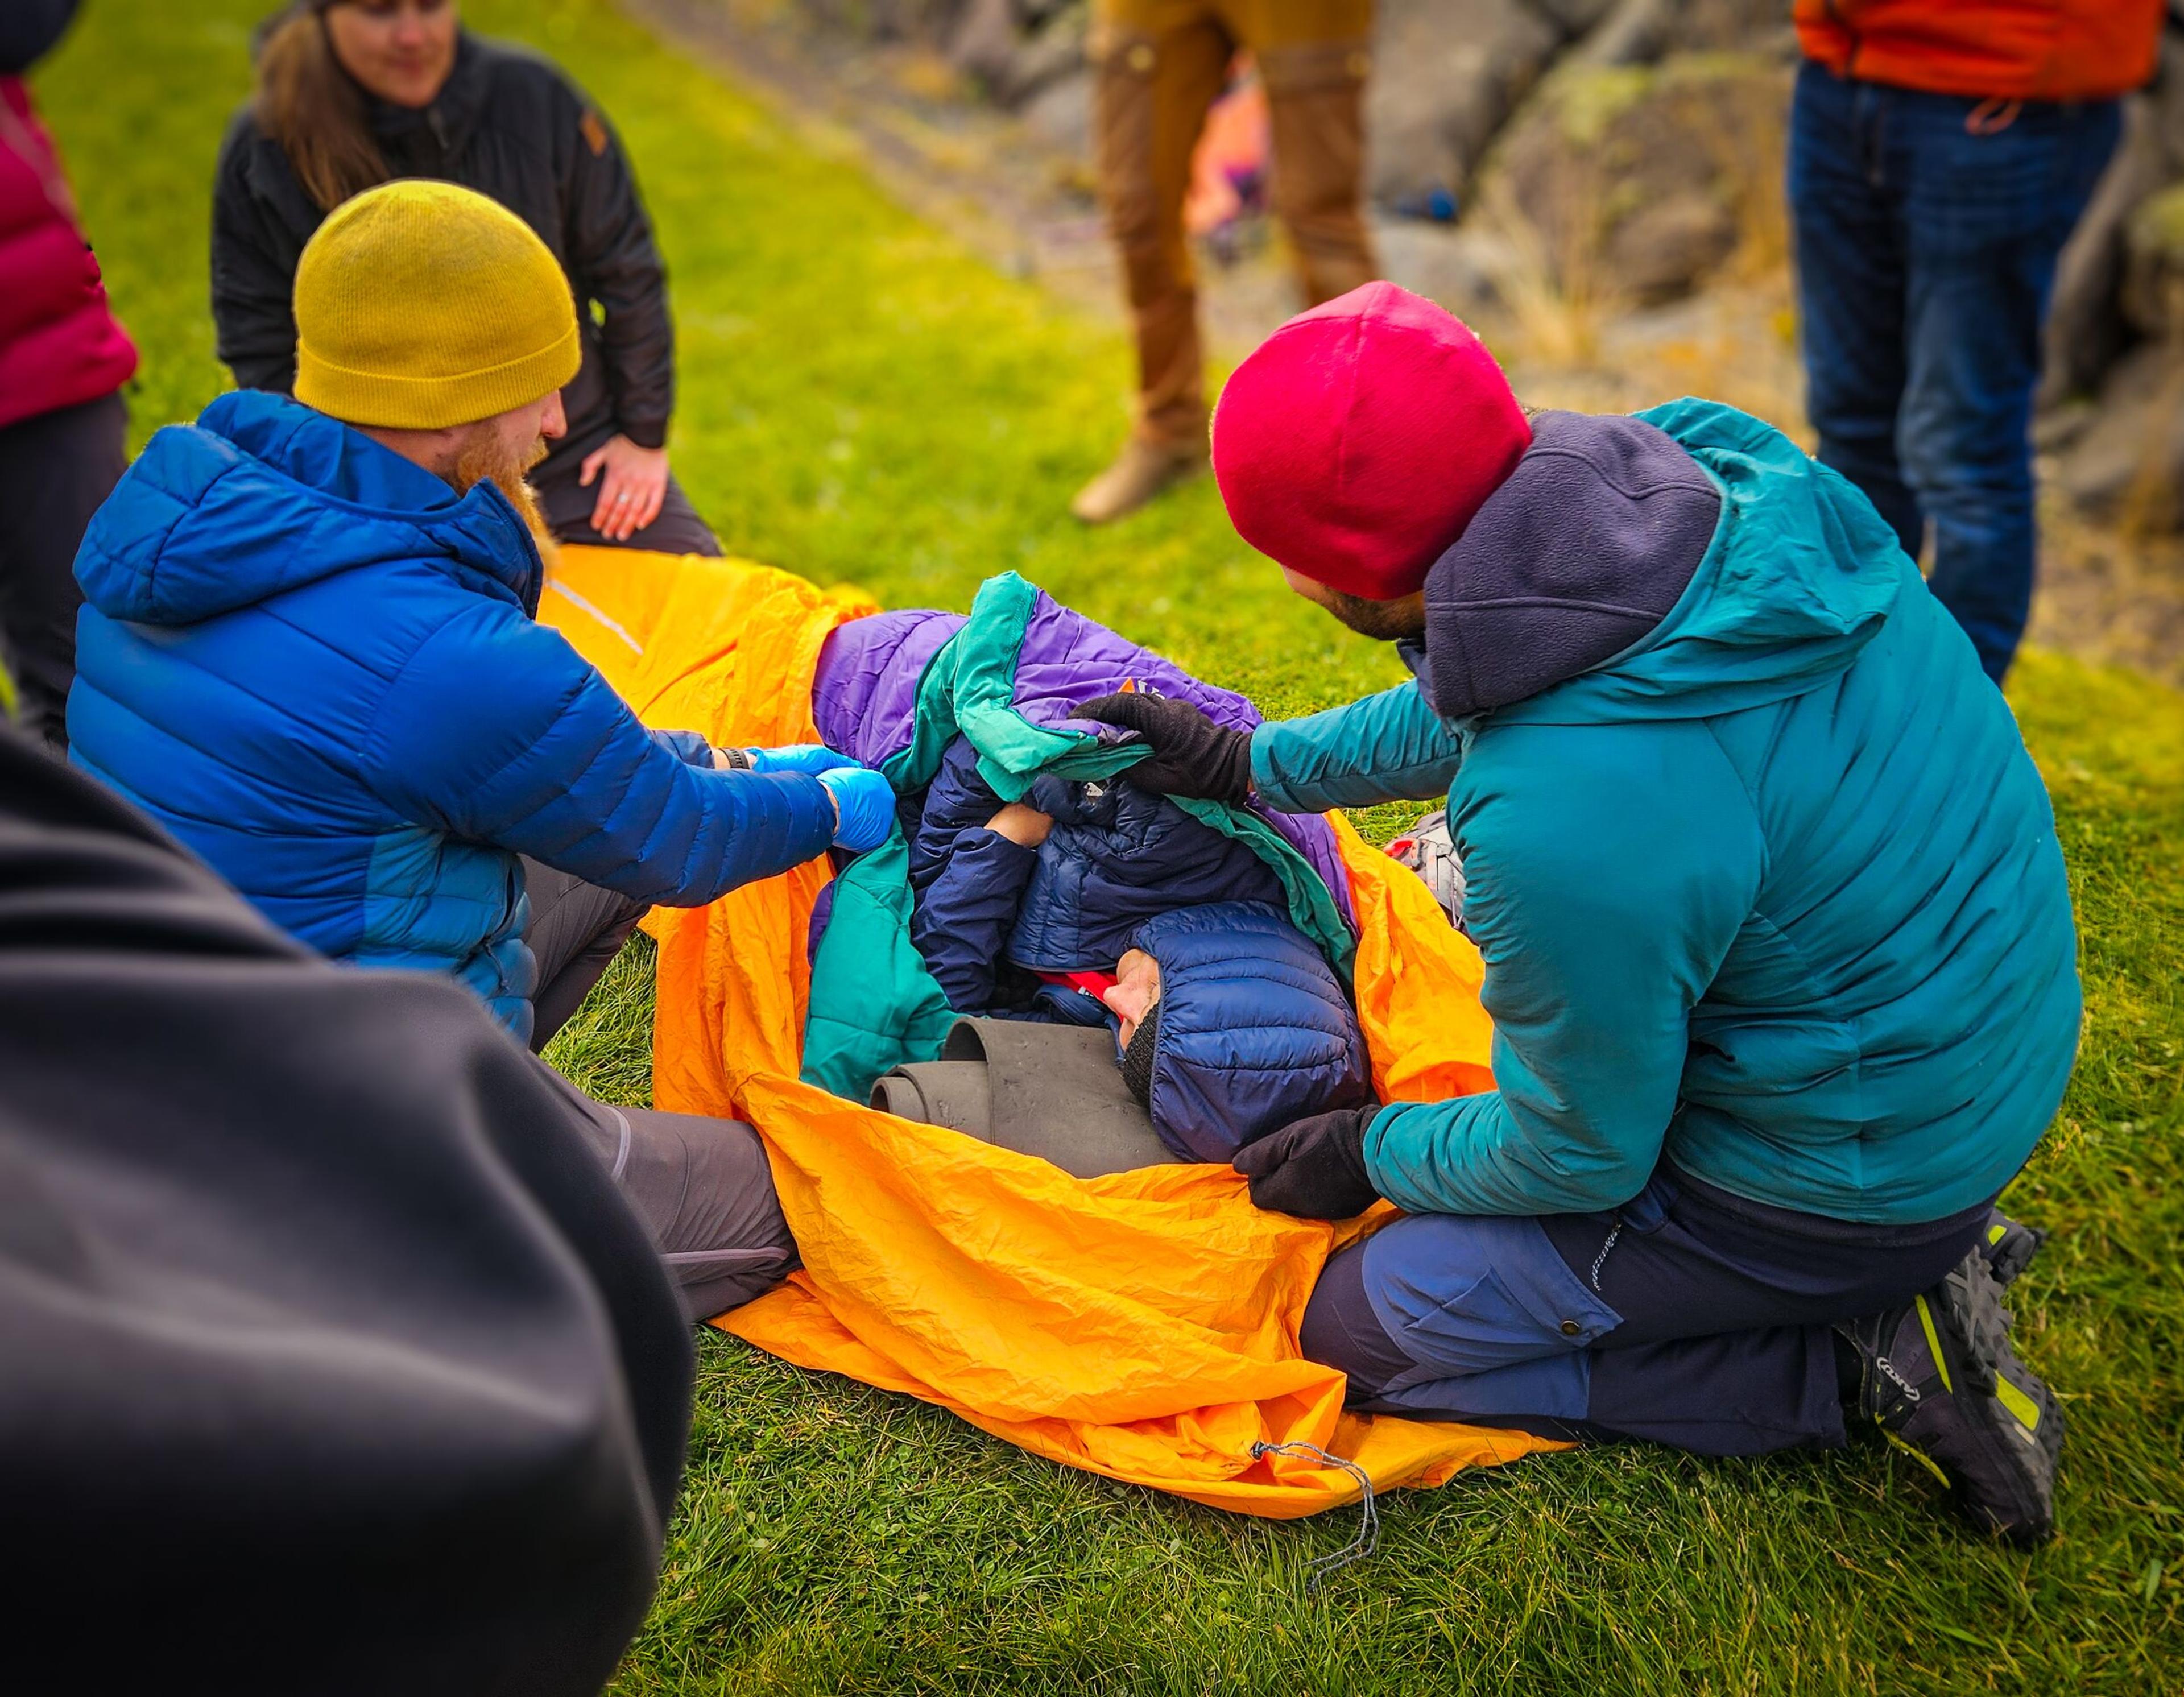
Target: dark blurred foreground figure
(333,1361)
(353,94)
(62,361)
(1941,154)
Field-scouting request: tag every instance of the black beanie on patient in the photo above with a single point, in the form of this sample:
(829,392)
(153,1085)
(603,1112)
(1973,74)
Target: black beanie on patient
(1138,1058)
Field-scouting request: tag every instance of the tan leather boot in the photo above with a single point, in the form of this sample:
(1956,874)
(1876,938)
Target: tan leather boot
(1140,471)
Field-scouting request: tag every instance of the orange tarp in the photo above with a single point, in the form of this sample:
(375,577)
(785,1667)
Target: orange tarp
(1143,1325)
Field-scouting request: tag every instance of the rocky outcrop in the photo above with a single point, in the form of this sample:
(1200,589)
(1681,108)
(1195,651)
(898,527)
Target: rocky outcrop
(1446,76)
(1624,129)
(2113,394)
(1638,181)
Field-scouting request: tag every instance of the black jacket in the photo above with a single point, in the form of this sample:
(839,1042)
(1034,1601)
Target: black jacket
(329,1360)
(508,124)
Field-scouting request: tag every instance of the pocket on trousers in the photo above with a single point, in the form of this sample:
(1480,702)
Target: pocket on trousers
(1465,1294)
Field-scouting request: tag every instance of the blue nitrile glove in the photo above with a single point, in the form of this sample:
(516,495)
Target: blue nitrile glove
(864,807)
(814,758)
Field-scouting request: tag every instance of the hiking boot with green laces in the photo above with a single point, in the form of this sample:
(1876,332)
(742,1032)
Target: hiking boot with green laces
(1941,1380)
(2009,1246)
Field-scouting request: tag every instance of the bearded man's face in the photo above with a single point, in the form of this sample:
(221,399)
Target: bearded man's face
(500,451)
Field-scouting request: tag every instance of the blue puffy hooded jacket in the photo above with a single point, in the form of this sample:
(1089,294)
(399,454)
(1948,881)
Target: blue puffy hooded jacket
(315,665)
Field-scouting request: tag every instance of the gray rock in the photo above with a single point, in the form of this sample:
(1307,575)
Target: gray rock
(1061,112)
(1014,60)
(2088,331)
(1626,177)
(1572,18)
(1633,32)
(984,41)
(1055,52)
(1447,74)
(1662,251)
(1458,267)
(2128,463)
(2152,293)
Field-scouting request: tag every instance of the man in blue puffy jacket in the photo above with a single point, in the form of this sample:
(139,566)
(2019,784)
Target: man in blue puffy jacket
(1778,943)
(309,650)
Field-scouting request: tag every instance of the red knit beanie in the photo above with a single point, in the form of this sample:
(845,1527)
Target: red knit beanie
(1357,441)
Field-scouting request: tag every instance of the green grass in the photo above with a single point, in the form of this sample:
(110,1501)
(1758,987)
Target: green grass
(862,401)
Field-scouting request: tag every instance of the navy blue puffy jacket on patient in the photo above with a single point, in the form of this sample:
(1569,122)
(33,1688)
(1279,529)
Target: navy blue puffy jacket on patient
(1117,857)
(1254,1031)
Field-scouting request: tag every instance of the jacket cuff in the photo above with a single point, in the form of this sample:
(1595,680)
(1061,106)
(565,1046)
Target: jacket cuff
(650,433)
(1264,784)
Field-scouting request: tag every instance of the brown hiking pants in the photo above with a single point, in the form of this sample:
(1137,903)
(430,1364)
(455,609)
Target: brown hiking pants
(1161,64)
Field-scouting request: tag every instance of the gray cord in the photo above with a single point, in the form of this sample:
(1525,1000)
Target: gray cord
(1368,1539)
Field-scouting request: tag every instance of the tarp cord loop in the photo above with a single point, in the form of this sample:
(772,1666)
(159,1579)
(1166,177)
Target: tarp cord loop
(1367,1541)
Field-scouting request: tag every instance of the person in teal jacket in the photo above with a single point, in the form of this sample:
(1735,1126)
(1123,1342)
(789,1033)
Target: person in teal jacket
(1777,937)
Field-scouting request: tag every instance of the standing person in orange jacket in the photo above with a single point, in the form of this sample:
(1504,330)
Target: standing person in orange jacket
(1940,153)
(1161,64)
(63,427)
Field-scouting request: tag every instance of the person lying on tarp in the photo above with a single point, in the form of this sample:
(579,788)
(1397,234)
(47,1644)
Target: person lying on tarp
(310,655)
(1102,905)
(1778,943)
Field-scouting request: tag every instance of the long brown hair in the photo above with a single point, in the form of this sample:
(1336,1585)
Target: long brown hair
(313,107)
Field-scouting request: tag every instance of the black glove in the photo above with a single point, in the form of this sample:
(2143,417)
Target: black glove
(1312,1168)
(1191,755)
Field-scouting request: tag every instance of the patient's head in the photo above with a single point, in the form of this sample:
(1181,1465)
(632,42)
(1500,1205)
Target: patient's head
(1136,992)
(1240,1027)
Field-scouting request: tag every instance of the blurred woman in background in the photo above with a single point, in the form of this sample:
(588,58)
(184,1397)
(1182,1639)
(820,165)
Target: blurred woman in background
(352,93)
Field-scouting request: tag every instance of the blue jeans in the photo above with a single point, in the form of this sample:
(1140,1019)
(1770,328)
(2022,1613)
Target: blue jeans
(1927,230)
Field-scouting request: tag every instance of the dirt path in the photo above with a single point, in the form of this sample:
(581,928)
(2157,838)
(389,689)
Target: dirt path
(1024,202)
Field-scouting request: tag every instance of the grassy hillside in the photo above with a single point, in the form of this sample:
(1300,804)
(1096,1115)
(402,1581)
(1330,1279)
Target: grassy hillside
(863,401)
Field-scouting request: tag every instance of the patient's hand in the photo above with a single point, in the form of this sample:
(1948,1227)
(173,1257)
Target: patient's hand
(1026,826)
(1137,987)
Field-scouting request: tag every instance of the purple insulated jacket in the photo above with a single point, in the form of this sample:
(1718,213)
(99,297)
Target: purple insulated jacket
(864,698)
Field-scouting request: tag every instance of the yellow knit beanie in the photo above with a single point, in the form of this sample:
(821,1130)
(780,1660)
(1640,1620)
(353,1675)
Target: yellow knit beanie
(421,305)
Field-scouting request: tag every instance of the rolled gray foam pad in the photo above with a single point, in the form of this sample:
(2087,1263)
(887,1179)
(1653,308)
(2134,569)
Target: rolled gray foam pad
(1056,1091)
(939,1092)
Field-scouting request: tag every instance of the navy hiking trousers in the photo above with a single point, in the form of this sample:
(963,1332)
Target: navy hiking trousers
(1688,1316)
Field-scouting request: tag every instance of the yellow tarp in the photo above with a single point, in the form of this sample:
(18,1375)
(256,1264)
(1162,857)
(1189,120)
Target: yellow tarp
(1143,1325)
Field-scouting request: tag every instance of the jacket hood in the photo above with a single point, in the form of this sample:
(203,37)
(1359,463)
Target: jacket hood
(263,495)
(1253,1030)
(1694,599)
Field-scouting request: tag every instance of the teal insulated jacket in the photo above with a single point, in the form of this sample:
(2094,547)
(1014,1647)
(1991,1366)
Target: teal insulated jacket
(1773,892)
